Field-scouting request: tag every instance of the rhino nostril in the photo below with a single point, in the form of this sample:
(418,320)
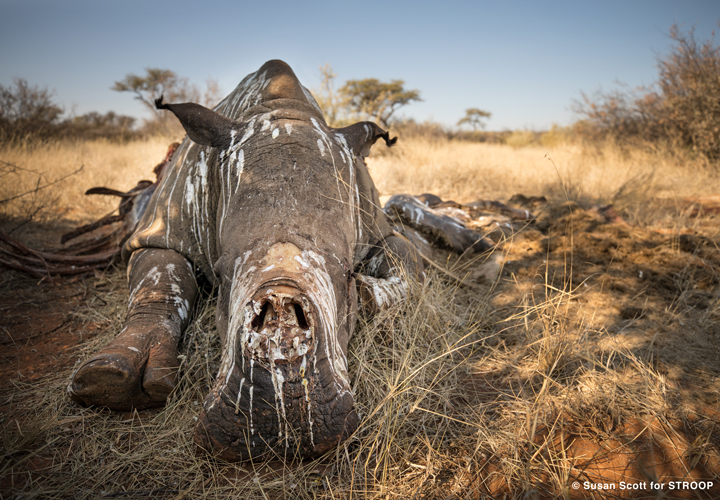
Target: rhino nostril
(267,313)
(300,316)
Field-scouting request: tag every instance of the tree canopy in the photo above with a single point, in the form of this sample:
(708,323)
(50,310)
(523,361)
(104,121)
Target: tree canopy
(155,83)
(376,99)
(163,82)
(474,117)
(26,109)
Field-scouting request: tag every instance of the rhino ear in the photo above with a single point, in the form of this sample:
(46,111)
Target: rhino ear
(202,125)
(361,136)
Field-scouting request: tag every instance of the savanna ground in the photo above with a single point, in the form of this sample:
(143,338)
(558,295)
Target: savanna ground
(593,355)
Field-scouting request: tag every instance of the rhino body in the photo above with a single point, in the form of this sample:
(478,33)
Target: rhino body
(278,211)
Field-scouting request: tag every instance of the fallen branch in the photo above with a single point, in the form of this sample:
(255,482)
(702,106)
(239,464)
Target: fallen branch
(39,187)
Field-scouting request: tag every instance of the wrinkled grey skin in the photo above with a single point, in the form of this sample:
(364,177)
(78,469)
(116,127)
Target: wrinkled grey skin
(278,210)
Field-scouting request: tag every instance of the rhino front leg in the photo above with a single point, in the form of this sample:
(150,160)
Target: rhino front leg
(382,281)
(139,367)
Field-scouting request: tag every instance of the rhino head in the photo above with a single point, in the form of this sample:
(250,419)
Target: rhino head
(293,213)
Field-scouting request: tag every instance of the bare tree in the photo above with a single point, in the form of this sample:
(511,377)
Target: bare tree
(327,98)
(682,108)
(27,110)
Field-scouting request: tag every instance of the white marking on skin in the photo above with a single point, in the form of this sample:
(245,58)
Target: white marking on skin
(321,147)
(385,292)
(237,401)
(202,207)
(310,98)
(266,344)
(327,144)
(240,167)
(375,263)
(170,197)
(238,316)
(275,133)
(321,292)
(158,201)
(252,431)
(134,349)
(278,380)
(245,95)
(182,307)
(183,310)
(288,128)
(355,217)
(457,215)
(189,191)
(271,266)
(249,131)
(358,215)
(303,369)
(227,184)
(225,197)
(154,275)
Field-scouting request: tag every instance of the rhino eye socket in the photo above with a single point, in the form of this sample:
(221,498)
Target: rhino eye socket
(259,322)
(300,315)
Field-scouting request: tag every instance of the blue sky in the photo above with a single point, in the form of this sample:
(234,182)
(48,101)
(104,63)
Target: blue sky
(524,61)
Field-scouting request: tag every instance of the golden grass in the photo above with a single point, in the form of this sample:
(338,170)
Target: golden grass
(462,390)
(27,167)
(462,171)
(455,400)
(406,364)
(465,171)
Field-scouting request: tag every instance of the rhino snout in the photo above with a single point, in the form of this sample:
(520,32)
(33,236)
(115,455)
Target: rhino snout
(279,389)
(281,328)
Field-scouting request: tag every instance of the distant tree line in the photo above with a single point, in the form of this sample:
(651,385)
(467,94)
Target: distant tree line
(29,112)
(681,110)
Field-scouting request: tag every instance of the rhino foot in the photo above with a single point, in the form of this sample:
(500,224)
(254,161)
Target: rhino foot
(129,373)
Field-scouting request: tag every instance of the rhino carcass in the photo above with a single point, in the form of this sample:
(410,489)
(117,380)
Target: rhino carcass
(278,210)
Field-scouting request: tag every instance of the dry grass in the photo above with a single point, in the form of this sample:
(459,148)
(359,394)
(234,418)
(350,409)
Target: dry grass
(465,171)
(406,364)
(23,168)
(455,400)
(514,388)
(462,171)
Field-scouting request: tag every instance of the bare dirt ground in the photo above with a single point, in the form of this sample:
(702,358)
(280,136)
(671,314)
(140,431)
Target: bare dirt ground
(650,293)
(596,363)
